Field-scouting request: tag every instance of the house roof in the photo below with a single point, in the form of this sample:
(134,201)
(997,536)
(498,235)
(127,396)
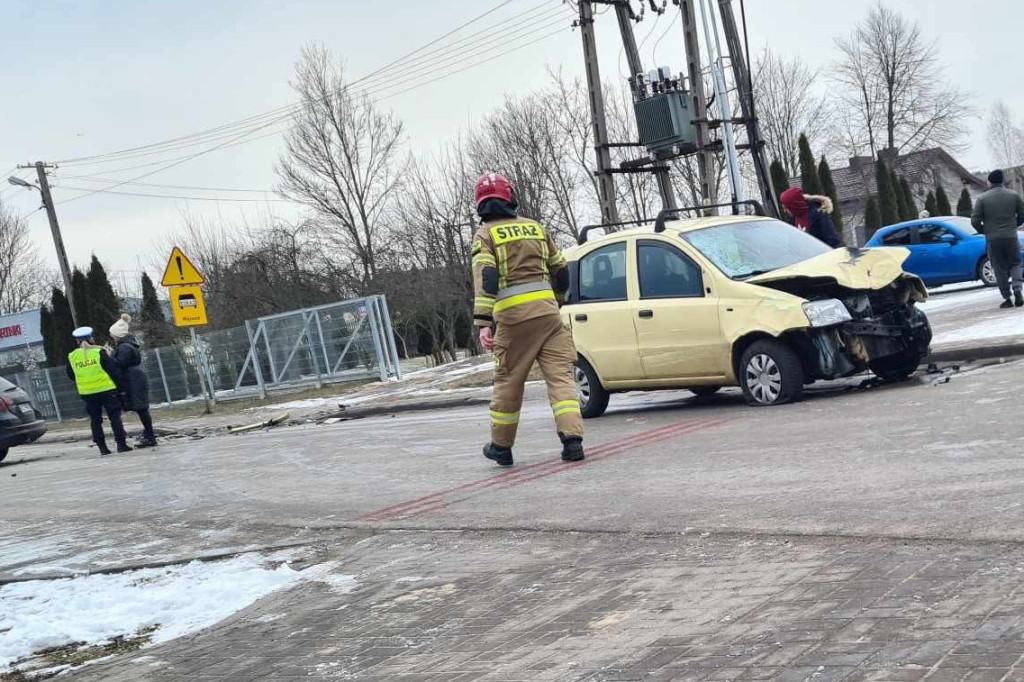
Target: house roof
(856,182)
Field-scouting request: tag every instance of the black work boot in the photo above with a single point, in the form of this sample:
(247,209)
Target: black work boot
(1018,298)
(122,446)
(499,454)
(146,443)
(1007,303)
(104,450)
(572,448)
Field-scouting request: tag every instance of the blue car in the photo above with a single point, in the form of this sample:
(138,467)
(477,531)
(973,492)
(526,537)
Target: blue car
(942,250)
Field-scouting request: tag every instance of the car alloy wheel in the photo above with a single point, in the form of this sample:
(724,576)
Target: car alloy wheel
(764,379)
(582,385)
(988,274)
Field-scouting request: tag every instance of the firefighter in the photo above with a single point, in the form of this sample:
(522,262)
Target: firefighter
(519,275)
(93,372)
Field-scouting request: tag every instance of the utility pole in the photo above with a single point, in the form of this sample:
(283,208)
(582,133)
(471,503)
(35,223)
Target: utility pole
(636,69)
(58,242)
(605,179)
(741,72)
(705,157)
(732,161)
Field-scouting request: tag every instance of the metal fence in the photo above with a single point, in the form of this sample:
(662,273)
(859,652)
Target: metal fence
(339,342)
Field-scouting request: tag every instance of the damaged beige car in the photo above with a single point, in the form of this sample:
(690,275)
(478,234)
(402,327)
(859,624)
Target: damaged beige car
(737,301)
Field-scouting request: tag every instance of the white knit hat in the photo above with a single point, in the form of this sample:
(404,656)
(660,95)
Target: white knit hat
(120,329)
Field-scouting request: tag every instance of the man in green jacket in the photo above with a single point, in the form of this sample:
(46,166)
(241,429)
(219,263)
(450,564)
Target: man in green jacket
(998,213)
(95,376)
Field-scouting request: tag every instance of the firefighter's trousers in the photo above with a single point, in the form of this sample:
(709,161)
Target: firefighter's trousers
(516,346)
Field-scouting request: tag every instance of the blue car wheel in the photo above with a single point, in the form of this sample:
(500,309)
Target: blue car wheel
(986,274)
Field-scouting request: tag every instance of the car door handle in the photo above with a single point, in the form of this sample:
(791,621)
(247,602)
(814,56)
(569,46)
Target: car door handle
(646,314)
(581,318)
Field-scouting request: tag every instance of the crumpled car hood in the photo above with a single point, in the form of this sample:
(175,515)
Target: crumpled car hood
(850,267)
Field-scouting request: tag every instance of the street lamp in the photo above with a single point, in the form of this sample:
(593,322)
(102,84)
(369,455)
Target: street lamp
(15,180)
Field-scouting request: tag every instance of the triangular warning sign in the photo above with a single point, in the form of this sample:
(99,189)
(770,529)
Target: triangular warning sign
(180,271)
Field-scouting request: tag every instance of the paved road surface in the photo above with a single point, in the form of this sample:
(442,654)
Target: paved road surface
(860,534)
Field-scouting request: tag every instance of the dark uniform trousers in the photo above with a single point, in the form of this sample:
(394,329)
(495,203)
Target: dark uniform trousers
(95,404)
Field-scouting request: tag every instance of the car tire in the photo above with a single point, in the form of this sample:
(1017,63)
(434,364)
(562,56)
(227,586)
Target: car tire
(770,374)
(986,274)
(3,453)
(704,391)
(593,396)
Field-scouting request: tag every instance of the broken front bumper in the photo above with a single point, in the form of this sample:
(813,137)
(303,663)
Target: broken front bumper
(857,345)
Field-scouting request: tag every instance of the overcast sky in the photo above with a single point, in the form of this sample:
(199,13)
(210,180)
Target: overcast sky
(84,77)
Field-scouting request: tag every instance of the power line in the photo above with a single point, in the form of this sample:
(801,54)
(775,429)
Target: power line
(184,198)
(442,62)
(425,70)
(237,140)
(394,65)
(93,178)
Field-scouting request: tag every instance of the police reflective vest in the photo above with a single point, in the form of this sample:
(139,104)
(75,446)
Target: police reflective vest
(90,376)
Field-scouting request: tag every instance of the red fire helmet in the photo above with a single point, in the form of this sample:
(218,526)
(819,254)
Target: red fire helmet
(493,186)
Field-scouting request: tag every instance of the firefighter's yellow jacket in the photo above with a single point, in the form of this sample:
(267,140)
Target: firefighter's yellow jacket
(518,272)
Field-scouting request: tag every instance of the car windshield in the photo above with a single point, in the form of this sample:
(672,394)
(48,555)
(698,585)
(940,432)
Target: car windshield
(742,250)
(962,224)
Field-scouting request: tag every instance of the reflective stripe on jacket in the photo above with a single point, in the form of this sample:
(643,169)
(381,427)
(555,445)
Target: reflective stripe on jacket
(90,377)
(524,259)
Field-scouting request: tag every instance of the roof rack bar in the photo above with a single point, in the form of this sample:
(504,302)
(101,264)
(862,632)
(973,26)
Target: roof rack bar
(659,223)
(585,232)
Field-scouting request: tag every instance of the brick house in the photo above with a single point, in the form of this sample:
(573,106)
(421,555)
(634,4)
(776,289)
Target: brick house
(924,171)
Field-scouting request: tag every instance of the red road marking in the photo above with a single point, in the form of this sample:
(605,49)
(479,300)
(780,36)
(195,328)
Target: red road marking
(532,472)
(492,480)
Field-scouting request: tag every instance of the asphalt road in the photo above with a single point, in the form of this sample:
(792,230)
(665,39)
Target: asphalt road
(936,457)
(846,537)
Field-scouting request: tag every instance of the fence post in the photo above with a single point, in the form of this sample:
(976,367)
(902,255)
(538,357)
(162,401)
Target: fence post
(163,376)
(371,312)
(270,352)
(309,347)
(53,395)
(254,356)
(391,336)
(323,342)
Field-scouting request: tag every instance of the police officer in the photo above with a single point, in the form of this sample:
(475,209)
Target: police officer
(518,276)
(93,372)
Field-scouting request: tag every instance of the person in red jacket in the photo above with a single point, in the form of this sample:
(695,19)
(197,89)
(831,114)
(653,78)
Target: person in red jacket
(812,214)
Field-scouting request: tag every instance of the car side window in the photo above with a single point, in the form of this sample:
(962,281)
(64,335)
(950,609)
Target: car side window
(667,273)
(900,237)
(603,274)
(932,234)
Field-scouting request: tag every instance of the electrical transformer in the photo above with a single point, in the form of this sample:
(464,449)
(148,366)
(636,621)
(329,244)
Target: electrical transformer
(663,114)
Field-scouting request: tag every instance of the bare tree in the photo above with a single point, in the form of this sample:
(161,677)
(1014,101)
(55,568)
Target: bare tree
(894,77)
(789,103)
(23,280)
(1005,136)
(530,139)
(342,160)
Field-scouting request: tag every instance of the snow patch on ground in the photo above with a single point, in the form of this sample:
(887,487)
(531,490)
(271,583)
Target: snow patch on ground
(39,614)
(969,299)
(1001,327)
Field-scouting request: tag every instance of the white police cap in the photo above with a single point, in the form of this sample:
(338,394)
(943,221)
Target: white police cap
(82,333)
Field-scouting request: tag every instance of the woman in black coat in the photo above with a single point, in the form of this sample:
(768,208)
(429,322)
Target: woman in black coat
(812,214)
(134,383)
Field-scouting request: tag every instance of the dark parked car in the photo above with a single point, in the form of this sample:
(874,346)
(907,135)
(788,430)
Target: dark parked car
(20,422)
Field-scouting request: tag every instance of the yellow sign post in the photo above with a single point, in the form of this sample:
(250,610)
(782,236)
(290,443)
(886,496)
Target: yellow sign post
(188,306)
(182,280)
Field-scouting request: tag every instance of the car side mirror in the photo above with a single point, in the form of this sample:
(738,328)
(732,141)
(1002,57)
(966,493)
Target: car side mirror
(949,238)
